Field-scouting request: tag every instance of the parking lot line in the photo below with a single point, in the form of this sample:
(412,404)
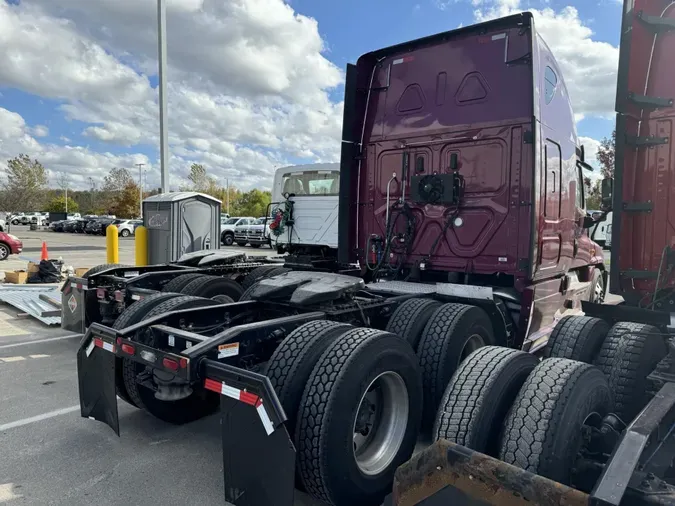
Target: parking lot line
(38,341)
(38,418)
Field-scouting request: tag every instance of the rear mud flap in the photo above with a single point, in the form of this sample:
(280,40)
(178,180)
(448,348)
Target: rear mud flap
(258,453)
(96,380)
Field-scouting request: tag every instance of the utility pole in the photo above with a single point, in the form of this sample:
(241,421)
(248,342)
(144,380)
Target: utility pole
(140,186)
(227,184)
(163,134)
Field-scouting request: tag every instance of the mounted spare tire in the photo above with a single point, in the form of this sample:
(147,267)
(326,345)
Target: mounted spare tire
(199,403)
(452,333)
(358,418)
(479,395)
(210,286)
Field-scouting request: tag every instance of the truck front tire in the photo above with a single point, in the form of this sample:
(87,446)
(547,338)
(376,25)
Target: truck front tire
(359,418)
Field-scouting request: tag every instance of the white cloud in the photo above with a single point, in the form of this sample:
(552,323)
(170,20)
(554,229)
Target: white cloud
(40,131)
(589,66)
(78,162)
(248,82)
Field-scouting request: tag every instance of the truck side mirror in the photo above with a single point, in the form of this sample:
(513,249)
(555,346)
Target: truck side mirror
(588,222)
(607,189)
(582,154)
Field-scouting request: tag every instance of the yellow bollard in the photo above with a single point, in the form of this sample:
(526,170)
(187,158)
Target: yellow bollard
(141,246)
(111,244)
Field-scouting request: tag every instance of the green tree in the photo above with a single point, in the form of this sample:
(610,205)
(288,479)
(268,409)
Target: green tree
(593,194)
(58,205)
(199,178)
(607,156)
(117,196)
(252,203)
(24,184)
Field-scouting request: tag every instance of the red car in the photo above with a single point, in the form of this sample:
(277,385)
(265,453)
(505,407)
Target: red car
(9,245)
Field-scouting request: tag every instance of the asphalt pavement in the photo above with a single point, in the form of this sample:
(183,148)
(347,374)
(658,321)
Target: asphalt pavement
(52,456)
(49,455)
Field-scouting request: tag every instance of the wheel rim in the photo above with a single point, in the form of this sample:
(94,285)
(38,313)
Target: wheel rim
(380,423)
(599,291)
(474,342)
(4,252)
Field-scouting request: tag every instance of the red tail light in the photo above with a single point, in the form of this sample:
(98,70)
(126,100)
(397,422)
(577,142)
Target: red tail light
(100,293)
(170,363)
(119,296)
(128,349)
(183,363)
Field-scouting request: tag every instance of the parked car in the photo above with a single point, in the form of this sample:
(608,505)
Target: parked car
(100,226)
(254,233)
(125,228)
(3,226)
(57,226)
(227,228)
(9,245)
(15,219)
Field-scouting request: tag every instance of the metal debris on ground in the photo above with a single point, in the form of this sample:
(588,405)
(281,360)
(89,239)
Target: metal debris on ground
(40,302)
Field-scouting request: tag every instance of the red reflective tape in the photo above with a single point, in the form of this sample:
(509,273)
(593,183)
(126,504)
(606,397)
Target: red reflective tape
(104,345)
(259,402)
(248,398)
(214,386)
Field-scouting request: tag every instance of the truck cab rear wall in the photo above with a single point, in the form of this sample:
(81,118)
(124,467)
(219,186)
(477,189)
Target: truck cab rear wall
(483,113)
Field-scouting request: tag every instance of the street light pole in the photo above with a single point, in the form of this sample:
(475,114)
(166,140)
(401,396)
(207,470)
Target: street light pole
(163,134)
(140,186)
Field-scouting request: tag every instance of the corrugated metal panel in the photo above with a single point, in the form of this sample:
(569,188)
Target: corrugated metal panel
(28,300)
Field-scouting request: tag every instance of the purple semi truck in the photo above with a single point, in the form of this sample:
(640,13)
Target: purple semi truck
(450,318)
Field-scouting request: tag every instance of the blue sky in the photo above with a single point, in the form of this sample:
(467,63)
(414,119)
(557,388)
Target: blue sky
(92,86)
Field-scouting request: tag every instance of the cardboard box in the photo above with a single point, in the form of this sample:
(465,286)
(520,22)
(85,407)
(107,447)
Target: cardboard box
(79,272)
(16,277)
(33,267)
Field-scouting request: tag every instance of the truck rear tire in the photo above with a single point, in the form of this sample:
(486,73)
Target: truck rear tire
(479,395)
(294,359)
(199,404)
(410,318)
(178,283)
(259,273)
(630,352)
(452,333)
(210,286)
(131,316)
(543,430)
(349,445)
(577,338)
(102,267)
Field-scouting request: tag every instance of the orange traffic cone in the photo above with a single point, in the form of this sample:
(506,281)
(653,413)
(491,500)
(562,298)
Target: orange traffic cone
(44,255)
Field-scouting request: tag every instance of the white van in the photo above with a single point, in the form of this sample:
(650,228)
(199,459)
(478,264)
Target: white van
(601,229)
(314,190)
